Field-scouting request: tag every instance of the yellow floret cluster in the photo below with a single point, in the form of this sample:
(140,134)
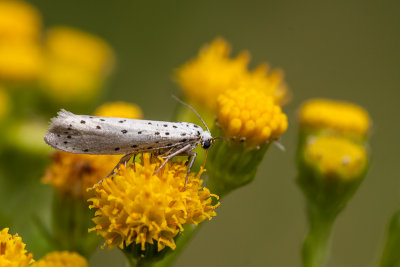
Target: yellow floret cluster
(12,250)
(72,174)
(137,206)
(250,115)
(341,117)
(336,156)
(213,72)
(61,259)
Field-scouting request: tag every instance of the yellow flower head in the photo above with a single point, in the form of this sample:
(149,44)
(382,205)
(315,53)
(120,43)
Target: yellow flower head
(61,259)
(250,115)
(213,72)
(73,173)
(335,156)
(76,64)
(19,21)
(80,49)
(137,206)
(5,103)
(20,61)
(12,250)
(337,116)
(120,110)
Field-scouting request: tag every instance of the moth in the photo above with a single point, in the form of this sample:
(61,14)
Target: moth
(95,135)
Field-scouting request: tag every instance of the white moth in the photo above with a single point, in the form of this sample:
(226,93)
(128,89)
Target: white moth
(95,135)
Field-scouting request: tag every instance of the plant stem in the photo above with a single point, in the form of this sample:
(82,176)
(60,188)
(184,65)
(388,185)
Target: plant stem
(316,245)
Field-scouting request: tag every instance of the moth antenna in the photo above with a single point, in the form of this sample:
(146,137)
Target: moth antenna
(220,137)
(192,109)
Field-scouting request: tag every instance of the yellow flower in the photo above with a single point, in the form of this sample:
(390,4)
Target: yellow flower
(20,61)
(61,259)
(19,21)
(119,109)
(250,115)
(213,72)
(12,250)
(334,156)
(137,206)
(78,48)
(341,117)
(74,173)
(76,64)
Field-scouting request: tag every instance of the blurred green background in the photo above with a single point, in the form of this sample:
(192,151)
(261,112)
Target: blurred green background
(346,50)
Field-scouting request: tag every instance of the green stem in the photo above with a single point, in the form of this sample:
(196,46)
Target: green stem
(316,245)
(181,243)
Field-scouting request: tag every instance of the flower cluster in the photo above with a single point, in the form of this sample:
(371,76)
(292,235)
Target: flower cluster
(213,72)
(250,115)
(61,259)
(333,156)
(13,253)
(332,161)
(12,250)
(136,206)
(335,116)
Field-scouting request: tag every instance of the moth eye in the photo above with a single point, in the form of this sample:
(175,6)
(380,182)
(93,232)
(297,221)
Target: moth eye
(206,144)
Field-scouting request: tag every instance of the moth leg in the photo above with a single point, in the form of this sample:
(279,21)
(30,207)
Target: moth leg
(192,156)
(133,162)
(124,160)
(177,152)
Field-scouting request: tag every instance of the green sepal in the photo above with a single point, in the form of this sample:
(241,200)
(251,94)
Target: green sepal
(232,164)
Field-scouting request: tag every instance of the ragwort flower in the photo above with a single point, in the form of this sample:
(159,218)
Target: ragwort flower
(250,115)
(61,259)
(336,117)
(76,64)
(12,250)
(250,121)
(213,72)
(332,162)
(136,207)
(19,21)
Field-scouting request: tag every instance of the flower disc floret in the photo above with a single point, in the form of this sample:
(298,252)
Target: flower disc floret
(136,206)
(335,156)
(250,115)
(61,259)
(12,250)
(342,117)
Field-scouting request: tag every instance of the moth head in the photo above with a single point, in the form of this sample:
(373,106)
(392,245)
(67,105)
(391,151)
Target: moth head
(206,140)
